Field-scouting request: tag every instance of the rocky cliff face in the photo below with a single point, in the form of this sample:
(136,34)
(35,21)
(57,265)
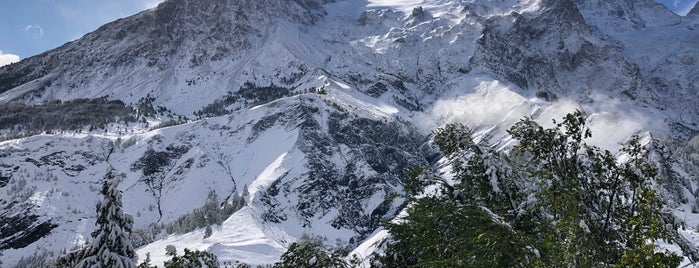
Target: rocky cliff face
(317,108)
(655,40)
(554,52)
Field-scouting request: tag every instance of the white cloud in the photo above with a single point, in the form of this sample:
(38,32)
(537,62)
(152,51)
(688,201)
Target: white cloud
(34,30)
(6,59)
(152,3)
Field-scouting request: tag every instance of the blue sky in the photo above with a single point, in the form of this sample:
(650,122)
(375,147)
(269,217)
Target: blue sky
(29,27)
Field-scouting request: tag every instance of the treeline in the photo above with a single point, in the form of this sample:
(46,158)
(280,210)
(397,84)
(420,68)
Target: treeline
(213,212)
(251,94)
(308,251)
(248,94)
(69,115)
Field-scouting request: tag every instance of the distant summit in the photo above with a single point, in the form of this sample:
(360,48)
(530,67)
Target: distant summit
(695,9)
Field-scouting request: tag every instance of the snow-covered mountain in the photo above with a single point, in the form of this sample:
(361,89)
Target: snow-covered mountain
(317,108)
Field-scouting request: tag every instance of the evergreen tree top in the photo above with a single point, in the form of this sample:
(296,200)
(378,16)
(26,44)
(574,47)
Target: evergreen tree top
(111,244)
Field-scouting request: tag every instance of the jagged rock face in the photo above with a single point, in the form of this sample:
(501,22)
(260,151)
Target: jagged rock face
(547,50)
(307,161)
(621,16)
(353,165)
(553,52)
(658,42)
(20,228)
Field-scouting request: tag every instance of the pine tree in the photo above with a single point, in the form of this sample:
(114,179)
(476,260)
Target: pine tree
(111,245)
(208,231)
(244,195)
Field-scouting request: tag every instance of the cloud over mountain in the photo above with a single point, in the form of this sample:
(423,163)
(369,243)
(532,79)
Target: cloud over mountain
(6,59)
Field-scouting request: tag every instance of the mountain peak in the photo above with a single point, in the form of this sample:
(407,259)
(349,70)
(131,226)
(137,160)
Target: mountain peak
(320,115)
(695,9)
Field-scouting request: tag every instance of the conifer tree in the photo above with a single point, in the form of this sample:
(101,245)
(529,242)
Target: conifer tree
(146,262)
(208,231)
(110,246)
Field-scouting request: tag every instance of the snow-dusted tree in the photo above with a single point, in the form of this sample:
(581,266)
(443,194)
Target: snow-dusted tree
(192,259)
(170,250)
(111,246)
(309,252)
(208,231)
(146,262)
(552,201)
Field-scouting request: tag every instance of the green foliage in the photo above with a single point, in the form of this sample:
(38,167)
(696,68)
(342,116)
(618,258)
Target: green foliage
(193,259)
(552,201)
(443,234)
(309,253)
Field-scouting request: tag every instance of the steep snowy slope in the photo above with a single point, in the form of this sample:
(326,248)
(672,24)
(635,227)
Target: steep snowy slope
(307,164)
(177,50)
(318,108)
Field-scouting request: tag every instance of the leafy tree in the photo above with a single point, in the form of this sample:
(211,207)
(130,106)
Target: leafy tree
(192,259)
(110,246)
(551,201)
(594,208)
(309,252)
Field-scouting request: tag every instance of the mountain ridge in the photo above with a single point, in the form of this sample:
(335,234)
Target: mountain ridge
(331,100)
